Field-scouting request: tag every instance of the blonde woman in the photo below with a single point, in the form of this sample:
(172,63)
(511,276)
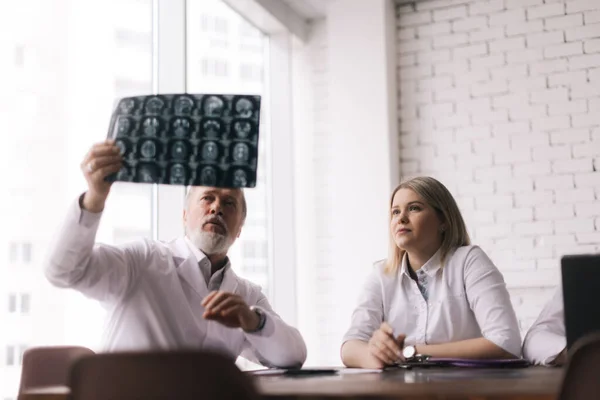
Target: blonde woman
(435,294)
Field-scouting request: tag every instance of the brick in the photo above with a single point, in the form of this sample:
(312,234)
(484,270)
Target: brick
(451,94)
(482,104)
(414,18)
(431,5)
(551,123)
(551,153)
(534,198)
(544,39)
(581,5)
(408,113)
(515,185)
(527,84)
(451,68)
(563,50)
(487,62)
(554,182)
(524,56)
(514,156)
(411,46)
(587,179)
(414,153)
(567,78)
(568,107)
(575,196)
(451,121)
(570,136)
(587,150)
(484,118)
(475,132)
(493,202)
(567,21)
(584,120)
(548,10)
(439,163)
(469,51)
(592,46)
(524,27)
(407,60)
(482,216)
(406,33)
(485,7)
(436,137)
(433,29)
(414,72)
(489,88)
(516,215)
(548,67)
(510,100)
(512,71)
(527,112)
(530,140)
(494,172)
(534,228)
(561,251)
(486,35)
(551,241)
(456,148)
(449,13)
(435,83)
(507,17)
(522,3)
(408,140)
(588,238)
(591,209)
(511,128)
(491,145)
(575,225)
(493,231)
(585,61)
(409,167)
(552,212)
(594,104)
(585,90)
(433,57)
(499,46)
(583,32)
(571,166)
(591,17)
(475,189)
(469,24)
(558,95)
(450,40)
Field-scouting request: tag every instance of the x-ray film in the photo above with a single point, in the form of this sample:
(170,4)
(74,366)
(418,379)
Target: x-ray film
(187,139)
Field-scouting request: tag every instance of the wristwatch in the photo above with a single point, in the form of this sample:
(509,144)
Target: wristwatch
(410,354)
(262,319)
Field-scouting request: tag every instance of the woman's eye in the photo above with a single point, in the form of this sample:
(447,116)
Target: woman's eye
(414,208)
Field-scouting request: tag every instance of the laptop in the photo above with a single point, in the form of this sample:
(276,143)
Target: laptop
(581,295)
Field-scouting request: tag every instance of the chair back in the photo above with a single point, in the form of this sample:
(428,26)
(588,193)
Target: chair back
(159,375)
(49,366)
(582,374)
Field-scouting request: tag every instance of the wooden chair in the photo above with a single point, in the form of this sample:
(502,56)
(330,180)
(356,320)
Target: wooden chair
(49,366)
(582,376)
(159,375)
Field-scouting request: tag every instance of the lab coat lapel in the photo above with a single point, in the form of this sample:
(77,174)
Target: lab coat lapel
(187,267)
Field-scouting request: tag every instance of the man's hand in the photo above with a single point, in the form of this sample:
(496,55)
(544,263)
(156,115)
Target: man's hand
(102,160)
(230,310)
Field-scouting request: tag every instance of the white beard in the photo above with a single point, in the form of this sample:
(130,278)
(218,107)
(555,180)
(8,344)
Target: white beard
(209,242)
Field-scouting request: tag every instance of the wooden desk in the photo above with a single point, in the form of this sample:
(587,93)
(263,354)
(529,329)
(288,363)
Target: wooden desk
(418,384)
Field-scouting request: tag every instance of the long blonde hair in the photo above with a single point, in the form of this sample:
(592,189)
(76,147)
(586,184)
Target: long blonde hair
(436,195)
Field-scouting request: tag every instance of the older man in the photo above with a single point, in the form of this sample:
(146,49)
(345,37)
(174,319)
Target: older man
(177,295)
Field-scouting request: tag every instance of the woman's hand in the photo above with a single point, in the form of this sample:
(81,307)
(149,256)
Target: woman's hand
(384,347)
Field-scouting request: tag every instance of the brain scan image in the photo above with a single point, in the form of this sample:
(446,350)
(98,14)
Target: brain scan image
(244,108)
(177,174)
(210,151)
(154,105)
(179,150)
(184,105)
(187,139)
(127,105)
(242,129)
(208,176)
(240,178)
(213,106)
(124,125)
(241,152)
(148,149)
(151,126)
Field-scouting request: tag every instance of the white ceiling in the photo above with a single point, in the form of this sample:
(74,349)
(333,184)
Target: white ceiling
(308,9)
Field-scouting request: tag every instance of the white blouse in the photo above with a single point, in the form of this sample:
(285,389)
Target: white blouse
(546,338)
(467,298)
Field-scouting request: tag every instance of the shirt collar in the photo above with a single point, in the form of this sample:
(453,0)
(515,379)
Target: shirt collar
(205,265)
(430,267)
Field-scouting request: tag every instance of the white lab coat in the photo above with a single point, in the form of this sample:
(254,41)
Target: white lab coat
(153,293)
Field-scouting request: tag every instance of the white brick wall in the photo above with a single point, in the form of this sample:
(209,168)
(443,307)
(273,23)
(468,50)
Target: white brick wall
(516,93)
